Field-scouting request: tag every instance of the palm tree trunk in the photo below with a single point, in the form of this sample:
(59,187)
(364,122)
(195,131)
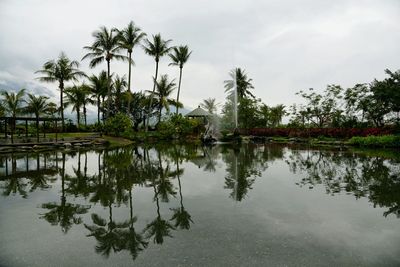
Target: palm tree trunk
(85,168)
(63,179)
(129,83)
(13,127)
(151,96)
(131,206)
(98,109)
(117,100)
(102,113)
(179,90)
(108,89)
(62,104)
(37,128)
(84,114)
(78,117)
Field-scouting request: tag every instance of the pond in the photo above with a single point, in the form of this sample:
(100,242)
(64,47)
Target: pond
(179,205)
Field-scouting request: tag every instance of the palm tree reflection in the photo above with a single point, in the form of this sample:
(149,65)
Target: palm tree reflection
(64,214)
(181,217)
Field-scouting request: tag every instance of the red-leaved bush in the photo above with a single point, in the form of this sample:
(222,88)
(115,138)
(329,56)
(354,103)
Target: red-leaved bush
(316,132)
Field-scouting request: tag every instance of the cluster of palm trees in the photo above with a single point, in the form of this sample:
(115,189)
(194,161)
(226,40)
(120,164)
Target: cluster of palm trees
(15,103)
(110,92)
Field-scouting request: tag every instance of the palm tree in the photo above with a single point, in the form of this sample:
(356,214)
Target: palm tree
(210,105)
(243,83)
(86,91)
(75,98)
(276,114)
(164,89)
(179,57)
(130,37)
(105,47)
(12,104)
(37,105)
(119,85)
(61,71)
(156,48)
(98,88)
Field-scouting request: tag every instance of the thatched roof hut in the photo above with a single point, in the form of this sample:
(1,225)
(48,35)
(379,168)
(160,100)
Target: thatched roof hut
(198,112)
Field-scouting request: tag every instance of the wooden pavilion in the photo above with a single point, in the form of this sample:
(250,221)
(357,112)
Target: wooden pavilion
(12,121)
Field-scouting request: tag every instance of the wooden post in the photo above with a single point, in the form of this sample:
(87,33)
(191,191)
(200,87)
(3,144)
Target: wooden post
(5,129)
(44,129)
(26,128)
(56,132)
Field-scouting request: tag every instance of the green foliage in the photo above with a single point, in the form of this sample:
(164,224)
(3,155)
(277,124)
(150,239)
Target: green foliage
(252,113)
(12,102)
(364,105)
(320,109)
(178,126)
(376,141)
(118,125)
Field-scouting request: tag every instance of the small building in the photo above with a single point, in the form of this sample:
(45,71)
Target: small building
(199,113)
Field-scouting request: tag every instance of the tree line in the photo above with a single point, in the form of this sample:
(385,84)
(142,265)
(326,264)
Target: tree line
(108,91)
(363,105)
(373,104)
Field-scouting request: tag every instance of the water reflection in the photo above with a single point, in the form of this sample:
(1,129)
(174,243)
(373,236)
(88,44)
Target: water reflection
(111,179)
(374,177)
(64,214)
(21,173)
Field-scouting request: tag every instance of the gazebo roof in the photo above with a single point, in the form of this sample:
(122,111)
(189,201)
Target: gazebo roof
(198,112)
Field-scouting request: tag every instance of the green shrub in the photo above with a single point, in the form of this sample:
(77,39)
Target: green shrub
(176,126)
(118,125)
(377,141)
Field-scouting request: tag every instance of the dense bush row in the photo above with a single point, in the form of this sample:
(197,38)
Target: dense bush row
(378,141)
(317,132)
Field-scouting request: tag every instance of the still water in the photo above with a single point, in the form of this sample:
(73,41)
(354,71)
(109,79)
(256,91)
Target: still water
(180,205)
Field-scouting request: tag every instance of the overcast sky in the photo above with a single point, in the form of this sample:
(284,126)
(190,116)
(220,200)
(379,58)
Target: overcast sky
(285,46)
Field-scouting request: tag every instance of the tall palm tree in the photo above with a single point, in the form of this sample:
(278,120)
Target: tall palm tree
(164,89)
(179,56)
(130,37)
(156,48)
(37,105)
(86,91)
(12,104)
(61,71)
(98,88)
(105,47)
(119,85)
(243,83)
(75,98)
(210,105)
